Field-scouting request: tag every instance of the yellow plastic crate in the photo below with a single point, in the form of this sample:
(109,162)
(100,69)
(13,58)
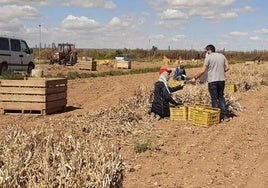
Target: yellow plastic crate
(206,117)
(193,108)
(191,112)
(230,87)
(178,113)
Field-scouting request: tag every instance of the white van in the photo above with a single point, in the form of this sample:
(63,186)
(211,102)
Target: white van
(15,55)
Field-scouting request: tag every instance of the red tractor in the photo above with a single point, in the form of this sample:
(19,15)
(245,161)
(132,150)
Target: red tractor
(66,54)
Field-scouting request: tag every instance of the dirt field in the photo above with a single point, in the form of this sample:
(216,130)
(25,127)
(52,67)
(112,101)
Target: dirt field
(231,154)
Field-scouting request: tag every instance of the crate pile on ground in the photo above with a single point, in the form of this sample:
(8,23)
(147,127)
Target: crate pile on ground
(197,108)
(201,115)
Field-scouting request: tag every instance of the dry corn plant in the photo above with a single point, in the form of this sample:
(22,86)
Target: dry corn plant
(248,77)
(42,159)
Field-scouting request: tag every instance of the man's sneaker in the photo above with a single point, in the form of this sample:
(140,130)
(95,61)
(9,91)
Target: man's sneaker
(225,119)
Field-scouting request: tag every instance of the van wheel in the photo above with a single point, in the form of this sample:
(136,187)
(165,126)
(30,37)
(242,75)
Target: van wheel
(3,68)
(30,68)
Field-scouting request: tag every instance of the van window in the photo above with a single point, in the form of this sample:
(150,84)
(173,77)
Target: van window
(4,44)
(15,45)
(24,47)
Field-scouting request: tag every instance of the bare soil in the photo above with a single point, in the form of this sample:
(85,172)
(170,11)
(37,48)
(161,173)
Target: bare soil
(230,154)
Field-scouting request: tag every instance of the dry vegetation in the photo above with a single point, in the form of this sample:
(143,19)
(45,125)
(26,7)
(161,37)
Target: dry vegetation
(86,153)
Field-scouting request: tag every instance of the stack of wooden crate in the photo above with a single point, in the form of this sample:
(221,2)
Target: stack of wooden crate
(33,96)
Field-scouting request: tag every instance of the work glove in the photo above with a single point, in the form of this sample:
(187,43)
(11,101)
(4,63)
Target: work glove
(181,86)
(179,103)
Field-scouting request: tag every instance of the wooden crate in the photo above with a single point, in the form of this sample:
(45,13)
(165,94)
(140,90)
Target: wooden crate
(88,65)
(33,96)
(123,64)
(178,113)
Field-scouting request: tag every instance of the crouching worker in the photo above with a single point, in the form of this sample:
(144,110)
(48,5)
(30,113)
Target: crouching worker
(162,95)
(180,73)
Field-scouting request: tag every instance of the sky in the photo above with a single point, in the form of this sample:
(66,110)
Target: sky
(233,25)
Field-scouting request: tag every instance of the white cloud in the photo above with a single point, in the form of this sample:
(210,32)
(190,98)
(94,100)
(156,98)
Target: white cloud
(248,9)
(178,38)
(210,13)
(72,22)
(171,14)
(204,12)
(157,37)
(25,12)
(200,3)
(263,31)
(238,34)
(115,22)
(171,24)
(229,15)
(123,22)
(206,9)
(254,38)
(92,3)
(106,4)
(30,2)
(13,27)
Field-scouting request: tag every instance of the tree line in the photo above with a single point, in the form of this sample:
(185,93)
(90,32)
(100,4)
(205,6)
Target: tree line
(156,54)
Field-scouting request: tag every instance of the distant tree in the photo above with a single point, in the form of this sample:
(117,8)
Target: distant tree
(154,48)
(118,52)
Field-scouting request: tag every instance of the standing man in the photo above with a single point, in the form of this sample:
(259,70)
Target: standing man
(216,65)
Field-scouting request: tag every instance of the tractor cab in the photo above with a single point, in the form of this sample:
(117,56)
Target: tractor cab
(66,54)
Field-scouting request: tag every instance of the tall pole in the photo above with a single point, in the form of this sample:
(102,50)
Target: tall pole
(39,42)
(149,50)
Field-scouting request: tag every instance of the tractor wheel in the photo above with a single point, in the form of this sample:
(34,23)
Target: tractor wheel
(62,62)
(51,61)
(75,58)
(72,59)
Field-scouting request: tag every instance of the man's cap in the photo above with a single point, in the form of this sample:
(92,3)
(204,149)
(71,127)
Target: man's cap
(164,69)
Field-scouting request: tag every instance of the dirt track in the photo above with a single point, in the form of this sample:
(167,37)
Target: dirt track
(232,154)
